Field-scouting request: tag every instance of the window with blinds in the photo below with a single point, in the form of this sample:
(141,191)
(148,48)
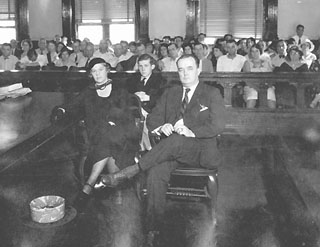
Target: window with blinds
(96,17)
(242,18)
(7,20)
(104,11)
(7,9)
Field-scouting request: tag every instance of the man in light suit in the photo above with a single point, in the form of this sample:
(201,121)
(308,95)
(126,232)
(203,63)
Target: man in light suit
(190,116)
(205,63)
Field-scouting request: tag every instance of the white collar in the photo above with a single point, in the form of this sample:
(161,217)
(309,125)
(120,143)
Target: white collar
(146,78)
(104,93)
(191,92)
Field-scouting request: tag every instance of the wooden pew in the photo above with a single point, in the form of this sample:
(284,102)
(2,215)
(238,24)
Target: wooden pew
(258,121)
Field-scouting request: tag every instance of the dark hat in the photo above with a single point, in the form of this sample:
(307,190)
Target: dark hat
(97,60)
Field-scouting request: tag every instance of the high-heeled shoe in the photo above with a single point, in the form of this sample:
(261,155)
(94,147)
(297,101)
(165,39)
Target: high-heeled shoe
(114,179)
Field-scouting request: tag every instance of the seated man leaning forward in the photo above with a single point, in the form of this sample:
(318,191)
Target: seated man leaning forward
(190,116)
(148,87)
(110,123)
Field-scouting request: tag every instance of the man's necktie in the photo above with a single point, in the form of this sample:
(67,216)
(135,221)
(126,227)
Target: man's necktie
(299,43)
(76,58)
(185,102)
(41,52)
(141,84)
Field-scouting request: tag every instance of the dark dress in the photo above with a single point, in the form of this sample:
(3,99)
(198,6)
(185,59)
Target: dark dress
(110,123)
(287,68)
(285,93)
(315,66)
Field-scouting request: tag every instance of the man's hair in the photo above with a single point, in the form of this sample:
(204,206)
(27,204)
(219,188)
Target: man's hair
(124,42)
(42,39)
(198,43)
(185,56)
(174,45)
(178,37)
(228,34)
(133,43)
(231,41)
(145,57)
(300,25)
(90,44)
(52,42)
(202,34)
(166,37)
(77,41)
(140,44)
(7,44)
(186,45)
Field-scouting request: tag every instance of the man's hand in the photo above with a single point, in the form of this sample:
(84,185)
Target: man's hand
(143,96)
(166,129)
(56,115)
(184,130)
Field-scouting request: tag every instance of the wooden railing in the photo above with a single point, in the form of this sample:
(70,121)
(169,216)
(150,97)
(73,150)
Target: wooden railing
(289,119)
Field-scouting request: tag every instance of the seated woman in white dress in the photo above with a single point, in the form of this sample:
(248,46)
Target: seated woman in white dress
(256,64)
(33,59)
(64,60)
(308,57)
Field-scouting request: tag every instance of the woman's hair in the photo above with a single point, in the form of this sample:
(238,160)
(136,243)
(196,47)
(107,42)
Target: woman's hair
(27,41)
(296,49)
(64,49)
(31,53)
(257,47)
(220,47)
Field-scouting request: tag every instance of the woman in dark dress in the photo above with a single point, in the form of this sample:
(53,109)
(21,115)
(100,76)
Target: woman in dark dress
(293,62)
(284,92)
(110,117)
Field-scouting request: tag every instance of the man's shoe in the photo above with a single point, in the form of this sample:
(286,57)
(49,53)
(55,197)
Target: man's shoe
(113,180)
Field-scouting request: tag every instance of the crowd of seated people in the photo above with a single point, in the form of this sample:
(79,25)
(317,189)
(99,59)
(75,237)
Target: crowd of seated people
(226,55)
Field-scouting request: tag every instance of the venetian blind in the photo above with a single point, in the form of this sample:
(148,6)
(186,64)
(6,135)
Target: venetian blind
(104,10)
(7,9)
(242,18)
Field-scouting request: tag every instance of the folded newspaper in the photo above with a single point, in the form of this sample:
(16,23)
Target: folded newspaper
(13,91)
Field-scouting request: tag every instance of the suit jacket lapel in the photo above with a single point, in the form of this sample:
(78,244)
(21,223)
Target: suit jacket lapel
(178,100)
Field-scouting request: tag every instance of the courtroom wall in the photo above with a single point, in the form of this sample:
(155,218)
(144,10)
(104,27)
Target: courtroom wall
(167,17)
(294,12)
(45,18)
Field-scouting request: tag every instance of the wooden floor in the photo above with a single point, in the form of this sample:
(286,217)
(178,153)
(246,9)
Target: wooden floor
(260,203)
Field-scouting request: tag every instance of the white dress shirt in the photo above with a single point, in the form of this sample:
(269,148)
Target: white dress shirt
(8,63)
(303,39)
(226,64)
(170,64)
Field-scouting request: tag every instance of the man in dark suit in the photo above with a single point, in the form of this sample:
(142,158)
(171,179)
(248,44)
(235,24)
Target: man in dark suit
(15,50)
(148,86)
(190,116)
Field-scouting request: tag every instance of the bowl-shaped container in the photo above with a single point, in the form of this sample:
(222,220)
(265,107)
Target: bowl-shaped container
(47,209)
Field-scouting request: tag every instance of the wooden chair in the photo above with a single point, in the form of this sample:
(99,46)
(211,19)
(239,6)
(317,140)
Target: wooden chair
(189,184)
